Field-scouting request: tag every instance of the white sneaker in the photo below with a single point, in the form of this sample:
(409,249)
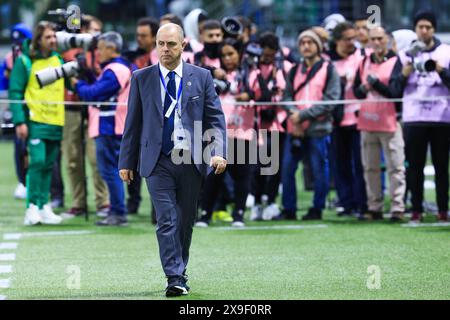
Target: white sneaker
(250,202)
(201,224)
(256,213)
(20,192)
(48,216)
(32,216)
(238,224)
(270,212)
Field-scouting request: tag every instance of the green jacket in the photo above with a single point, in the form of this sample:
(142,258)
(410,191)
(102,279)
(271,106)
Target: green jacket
(17,86)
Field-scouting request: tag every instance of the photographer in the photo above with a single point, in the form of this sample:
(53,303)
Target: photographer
(240,133)
(424,71)
(211,36)
(42,123)
(380,130)
(76,143)
(309,126)
(267,83)
(106,122)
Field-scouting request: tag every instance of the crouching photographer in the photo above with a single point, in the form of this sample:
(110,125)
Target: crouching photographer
(106,122)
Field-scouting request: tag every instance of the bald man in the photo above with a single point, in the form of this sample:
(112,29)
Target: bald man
(174,137)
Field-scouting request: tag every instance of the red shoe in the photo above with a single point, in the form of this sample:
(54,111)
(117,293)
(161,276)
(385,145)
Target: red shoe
(416,217)
(443,216)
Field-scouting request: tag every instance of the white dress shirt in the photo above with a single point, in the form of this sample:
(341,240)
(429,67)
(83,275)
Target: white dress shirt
(180,141)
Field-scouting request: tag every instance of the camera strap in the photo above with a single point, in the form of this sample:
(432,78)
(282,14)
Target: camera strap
(315,68)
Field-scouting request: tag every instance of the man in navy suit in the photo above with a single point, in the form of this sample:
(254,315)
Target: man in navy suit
(172,109)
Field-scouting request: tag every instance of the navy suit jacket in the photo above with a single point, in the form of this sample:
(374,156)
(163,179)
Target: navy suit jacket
(142,138)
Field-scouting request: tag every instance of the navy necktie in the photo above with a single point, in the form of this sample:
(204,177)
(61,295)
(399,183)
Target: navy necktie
(167,143)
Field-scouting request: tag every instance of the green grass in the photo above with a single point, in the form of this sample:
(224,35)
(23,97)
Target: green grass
(320,263)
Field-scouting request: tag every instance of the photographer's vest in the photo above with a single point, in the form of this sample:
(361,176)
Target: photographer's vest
(264,76)
(311,91)
(40,111)
(377,116)
(426,84)
(346,68)
(110,120)
(239,119)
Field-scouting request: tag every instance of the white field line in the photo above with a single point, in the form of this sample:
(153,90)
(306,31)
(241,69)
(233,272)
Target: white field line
(5,269)
(7,256)
(5,283)
(16,236)
(423,225)
(282,227)
(8,245)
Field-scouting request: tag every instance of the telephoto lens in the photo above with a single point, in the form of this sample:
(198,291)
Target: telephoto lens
(49,75)
(425,66)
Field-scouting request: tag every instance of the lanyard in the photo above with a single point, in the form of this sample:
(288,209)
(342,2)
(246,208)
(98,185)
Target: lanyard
(175,103)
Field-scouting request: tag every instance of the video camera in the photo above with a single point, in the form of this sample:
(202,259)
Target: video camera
(420,66)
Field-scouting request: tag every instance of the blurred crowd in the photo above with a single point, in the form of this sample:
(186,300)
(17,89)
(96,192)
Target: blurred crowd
(375,144)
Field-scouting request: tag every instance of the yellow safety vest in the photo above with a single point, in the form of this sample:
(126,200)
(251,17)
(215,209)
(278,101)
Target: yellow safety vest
(41,111)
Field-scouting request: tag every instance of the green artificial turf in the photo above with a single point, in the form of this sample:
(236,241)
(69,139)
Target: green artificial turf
(317,262)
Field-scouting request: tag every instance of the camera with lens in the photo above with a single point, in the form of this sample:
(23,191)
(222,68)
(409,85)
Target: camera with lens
(425,66)
(252,53)
(49,75)
(420,66)
(66,41)
(221,86)
(232,27)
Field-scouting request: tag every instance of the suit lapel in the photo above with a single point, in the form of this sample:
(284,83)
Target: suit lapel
(187,84)
(155,91)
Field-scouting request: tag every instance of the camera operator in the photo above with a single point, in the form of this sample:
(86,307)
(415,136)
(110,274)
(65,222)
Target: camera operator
(309,126)
(106,122)
(42,123)
(381,132)
(346,161)
(240,134)
(267,83)
(76,143)
(424,71)
(211,36)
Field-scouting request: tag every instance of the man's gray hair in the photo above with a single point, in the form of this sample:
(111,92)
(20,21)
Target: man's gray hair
(172,25)
(112,39)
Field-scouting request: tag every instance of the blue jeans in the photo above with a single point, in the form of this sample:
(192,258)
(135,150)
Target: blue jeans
(348,170)
(107,151)
(317,150)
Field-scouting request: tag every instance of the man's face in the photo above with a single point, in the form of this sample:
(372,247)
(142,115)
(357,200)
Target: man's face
(47,42)
(347,42)
(378,40)
(211,36)
(169,46)
(424,31)
(104,53)
(94,28)
(362,32)
(268,56)
(144,37)
(307,48)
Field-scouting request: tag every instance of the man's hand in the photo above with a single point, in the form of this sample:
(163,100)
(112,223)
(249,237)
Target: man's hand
(244,96)
(73,82)
(22,131)
(126,175)
(439,68)
(295,117)
(407,70)
(219,163)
